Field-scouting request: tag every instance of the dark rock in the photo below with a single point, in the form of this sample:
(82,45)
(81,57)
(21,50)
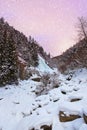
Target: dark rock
(36,79)
(46,127)
(63,92)
(85,118)
(75,100)
(64,118)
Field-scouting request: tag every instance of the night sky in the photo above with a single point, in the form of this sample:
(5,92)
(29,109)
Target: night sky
(50,22)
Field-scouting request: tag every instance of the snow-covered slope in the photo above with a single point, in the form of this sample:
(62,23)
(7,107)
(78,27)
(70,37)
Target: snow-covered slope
(21,109)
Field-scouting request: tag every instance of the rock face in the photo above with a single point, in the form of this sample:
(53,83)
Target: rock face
(22,68)
(65,118)
(75,57)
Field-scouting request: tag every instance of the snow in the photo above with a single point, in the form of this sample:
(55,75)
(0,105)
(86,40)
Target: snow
(73,125)
(22,109)
(56,124)
(83,127)
(43,67)
(31,122)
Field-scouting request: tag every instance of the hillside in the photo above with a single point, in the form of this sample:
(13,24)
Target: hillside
(74,57)
(17,53)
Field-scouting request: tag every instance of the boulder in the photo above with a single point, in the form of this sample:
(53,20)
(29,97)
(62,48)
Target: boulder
(85,114)
(46,127)
(36,79)
(75,99)
(65,118)
(85,118)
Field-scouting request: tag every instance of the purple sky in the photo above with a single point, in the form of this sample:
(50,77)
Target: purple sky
(50,22)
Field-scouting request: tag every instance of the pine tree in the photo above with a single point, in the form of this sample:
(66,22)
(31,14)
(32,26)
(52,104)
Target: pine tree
(8,59)
(34,52)
(2,53)
(12,60)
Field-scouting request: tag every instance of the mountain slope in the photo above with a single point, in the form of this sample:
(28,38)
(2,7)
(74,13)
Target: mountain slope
(15,47)
(75,57)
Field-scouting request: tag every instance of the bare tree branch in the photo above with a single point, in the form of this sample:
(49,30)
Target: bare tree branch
(82,28)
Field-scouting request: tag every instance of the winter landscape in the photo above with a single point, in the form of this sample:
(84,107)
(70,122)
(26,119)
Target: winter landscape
(39,91)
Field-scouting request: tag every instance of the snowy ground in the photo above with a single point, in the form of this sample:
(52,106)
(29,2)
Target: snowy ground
(20,109)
